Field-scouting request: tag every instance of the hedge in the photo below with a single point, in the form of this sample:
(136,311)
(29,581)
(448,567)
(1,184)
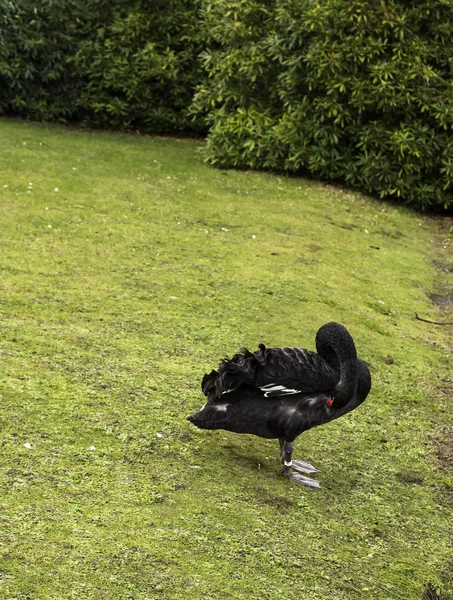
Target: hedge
(347,90)
(37,43)
(142,70)
(122,64)
(354,91)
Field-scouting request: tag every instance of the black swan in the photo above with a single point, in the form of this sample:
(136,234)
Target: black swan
(281,392)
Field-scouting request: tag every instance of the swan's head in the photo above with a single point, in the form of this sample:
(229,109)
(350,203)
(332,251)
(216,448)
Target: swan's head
(346,388)
(354,384)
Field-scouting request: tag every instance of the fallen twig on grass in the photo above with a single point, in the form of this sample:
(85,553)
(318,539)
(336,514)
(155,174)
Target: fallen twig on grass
(433,322)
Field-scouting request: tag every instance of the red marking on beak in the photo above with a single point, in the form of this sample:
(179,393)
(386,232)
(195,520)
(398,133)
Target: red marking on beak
(330,402)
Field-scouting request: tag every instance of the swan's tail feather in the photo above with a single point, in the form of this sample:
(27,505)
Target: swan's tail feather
(238,370)
(208,385)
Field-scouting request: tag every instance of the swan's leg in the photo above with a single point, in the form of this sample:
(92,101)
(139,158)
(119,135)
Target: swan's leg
(286,452)
(293,469)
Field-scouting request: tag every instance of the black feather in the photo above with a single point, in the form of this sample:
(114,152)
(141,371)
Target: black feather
(325,385)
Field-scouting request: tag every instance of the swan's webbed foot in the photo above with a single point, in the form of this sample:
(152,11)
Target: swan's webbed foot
(298,478)
(294,473)
(304,467)
(293,469)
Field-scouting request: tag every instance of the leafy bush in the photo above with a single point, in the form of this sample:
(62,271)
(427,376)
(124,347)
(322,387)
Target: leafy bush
(142,69)
(121,64)
(348,90)
(37,42)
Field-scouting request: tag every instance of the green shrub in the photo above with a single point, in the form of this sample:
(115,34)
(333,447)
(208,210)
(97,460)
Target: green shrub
(37,42)
(120,64)
(354,91)
(141,70)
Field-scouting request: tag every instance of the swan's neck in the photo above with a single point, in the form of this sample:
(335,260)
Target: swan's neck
(336,346)
(346,388)
(361,392)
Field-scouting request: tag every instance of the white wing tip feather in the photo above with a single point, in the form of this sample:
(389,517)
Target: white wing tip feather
(281,389)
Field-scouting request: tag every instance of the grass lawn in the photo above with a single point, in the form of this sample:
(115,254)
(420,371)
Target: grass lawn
(128,269)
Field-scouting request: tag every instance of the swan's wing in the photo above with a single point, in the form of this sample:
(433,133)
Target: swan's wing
(294,370)
(277,371)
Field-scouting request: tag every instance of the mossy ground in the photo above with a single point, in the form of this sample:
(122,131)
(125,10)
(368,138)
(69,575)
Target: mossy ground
(118,292)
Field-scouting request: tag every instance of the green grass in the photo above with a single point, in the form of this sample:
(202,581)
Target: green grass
(118,292)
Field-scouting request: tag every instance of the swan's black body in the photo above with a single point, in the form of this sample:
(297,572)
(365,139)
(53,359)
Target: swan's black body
(281,392)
